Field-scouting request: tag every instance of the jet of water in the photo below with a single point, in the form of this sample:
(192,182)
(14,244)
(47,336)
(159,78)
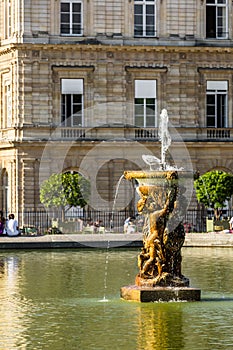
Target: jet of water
(164,136)
(165,139)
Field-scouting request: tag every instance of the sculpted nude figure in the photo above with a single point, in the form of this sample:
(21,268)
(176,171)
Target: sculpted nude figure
(161,204)
(152,258)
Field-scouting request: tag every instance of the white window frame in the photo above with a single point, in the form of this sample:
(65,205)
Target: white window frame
(221,19)
(144,17)
(70,89)
(218,90)
(71,32)
(144,90)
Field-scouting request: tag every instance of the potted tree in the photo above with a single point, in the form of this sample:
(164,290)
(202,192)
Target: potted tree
(213,189)
(64,191)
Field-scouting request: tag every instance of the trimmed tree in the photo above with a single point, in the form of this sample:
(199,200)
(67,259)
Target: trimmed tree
(213,189)
(64,190)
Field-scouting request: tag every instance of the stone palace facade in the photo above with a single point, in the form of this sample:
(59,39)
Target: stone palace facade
(83,83)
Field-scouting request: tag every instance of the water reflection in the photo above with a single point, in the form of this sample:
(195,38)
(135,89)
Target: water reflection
(158,330)
(51,300)
(13,309)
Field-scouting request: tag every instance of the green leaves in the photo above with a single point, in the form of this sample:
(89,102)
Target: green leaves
(214,188)
(68,189)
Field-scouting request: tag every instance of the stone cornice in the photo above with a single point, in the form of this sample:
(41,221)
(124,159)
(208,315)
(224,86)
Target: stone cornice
(135,68)
(4,50)
(86,68)
(208,69)
(114,48)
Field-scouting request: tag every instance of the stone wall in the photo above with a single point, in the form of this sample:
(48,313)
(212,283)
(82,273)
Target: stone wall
(109,60)
(175,20)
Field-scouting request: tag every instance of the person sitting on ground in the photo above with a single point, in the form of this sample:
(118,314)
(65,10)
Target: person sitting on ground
(126,224)
(129,222)
(12,226)
(129,225)
(96,226)
(231,223)
(2,223)
(230,230)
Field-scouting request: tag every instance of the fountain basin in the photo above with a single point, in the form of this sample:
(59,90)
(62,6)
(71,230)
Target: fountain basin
(158,293)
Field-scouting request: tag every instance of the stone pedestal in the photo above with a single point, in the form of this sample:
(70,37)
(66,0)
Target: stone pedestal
(156,294)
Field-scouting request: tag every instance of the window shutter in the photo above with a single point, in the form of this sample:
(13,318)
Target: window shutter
(145,88)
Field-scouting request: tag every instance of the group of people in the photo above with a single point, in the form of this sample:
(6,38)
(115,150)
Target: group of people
(8,227)
(96,226)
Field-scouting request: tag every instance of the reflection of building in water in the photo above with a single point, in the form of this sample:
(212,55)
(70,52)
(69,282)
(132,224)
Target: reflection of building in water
(160,327)
(2,267)
(12,308)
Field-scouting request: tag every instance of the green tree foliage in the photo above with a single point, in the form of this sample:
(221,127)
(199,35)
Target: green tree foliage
(214,188)
(62,190)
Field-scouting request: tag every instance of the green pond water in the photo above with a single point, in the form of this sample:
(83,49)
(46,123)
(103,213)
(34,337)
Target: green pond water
(70,299)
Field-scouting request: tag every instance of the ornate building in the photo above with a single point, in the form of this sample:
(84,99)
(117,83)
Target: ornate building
(83,82)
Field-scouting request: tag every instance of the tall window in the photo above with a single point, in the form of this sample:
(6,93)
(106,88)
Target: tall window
(7,115)
(216,104)
(8,19)
(72,102)
(145,103)
(216,19)
(71,17)
(144,18)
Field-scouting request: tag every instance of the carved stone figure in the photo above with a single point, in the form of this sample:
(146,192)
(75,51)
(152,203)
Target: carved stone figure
(161,203)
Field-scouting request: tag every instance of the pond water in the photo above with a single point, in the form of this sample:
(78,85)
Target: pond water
(70,299)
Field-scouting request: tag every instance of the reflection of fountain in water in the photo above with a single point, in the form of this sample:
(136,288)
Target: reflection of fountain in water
(155,329)
(162,203)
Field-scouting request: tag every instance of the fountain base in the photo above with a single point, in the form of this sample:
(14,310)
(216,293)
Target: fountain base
(160,294)
(164,280)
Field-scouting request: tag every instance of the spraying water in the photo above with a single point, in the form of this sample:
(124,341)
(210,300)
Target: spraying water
(108,243)
(116,192)
(164,136)
(165,139)
(114,202)
(106,274)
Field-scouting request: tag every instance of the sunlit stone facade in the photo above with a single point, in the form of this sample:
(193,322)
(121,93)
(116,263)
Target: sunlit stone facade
(85,82)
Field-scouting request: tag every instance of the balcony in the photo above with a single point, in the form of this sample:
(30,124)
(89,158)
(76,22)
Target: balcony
(113,132)
(122,132)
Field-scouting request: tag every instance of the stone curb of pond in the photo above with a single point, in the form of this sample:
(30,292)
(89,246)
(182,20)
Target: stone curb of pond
(107,240)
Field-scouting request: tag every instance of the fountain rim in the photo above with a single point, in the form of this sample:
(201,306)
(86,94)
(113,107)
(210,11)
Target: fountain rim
(158,174)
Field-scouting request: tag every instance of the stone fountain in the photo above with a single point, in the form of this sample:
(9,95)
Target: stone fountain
(162,203)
